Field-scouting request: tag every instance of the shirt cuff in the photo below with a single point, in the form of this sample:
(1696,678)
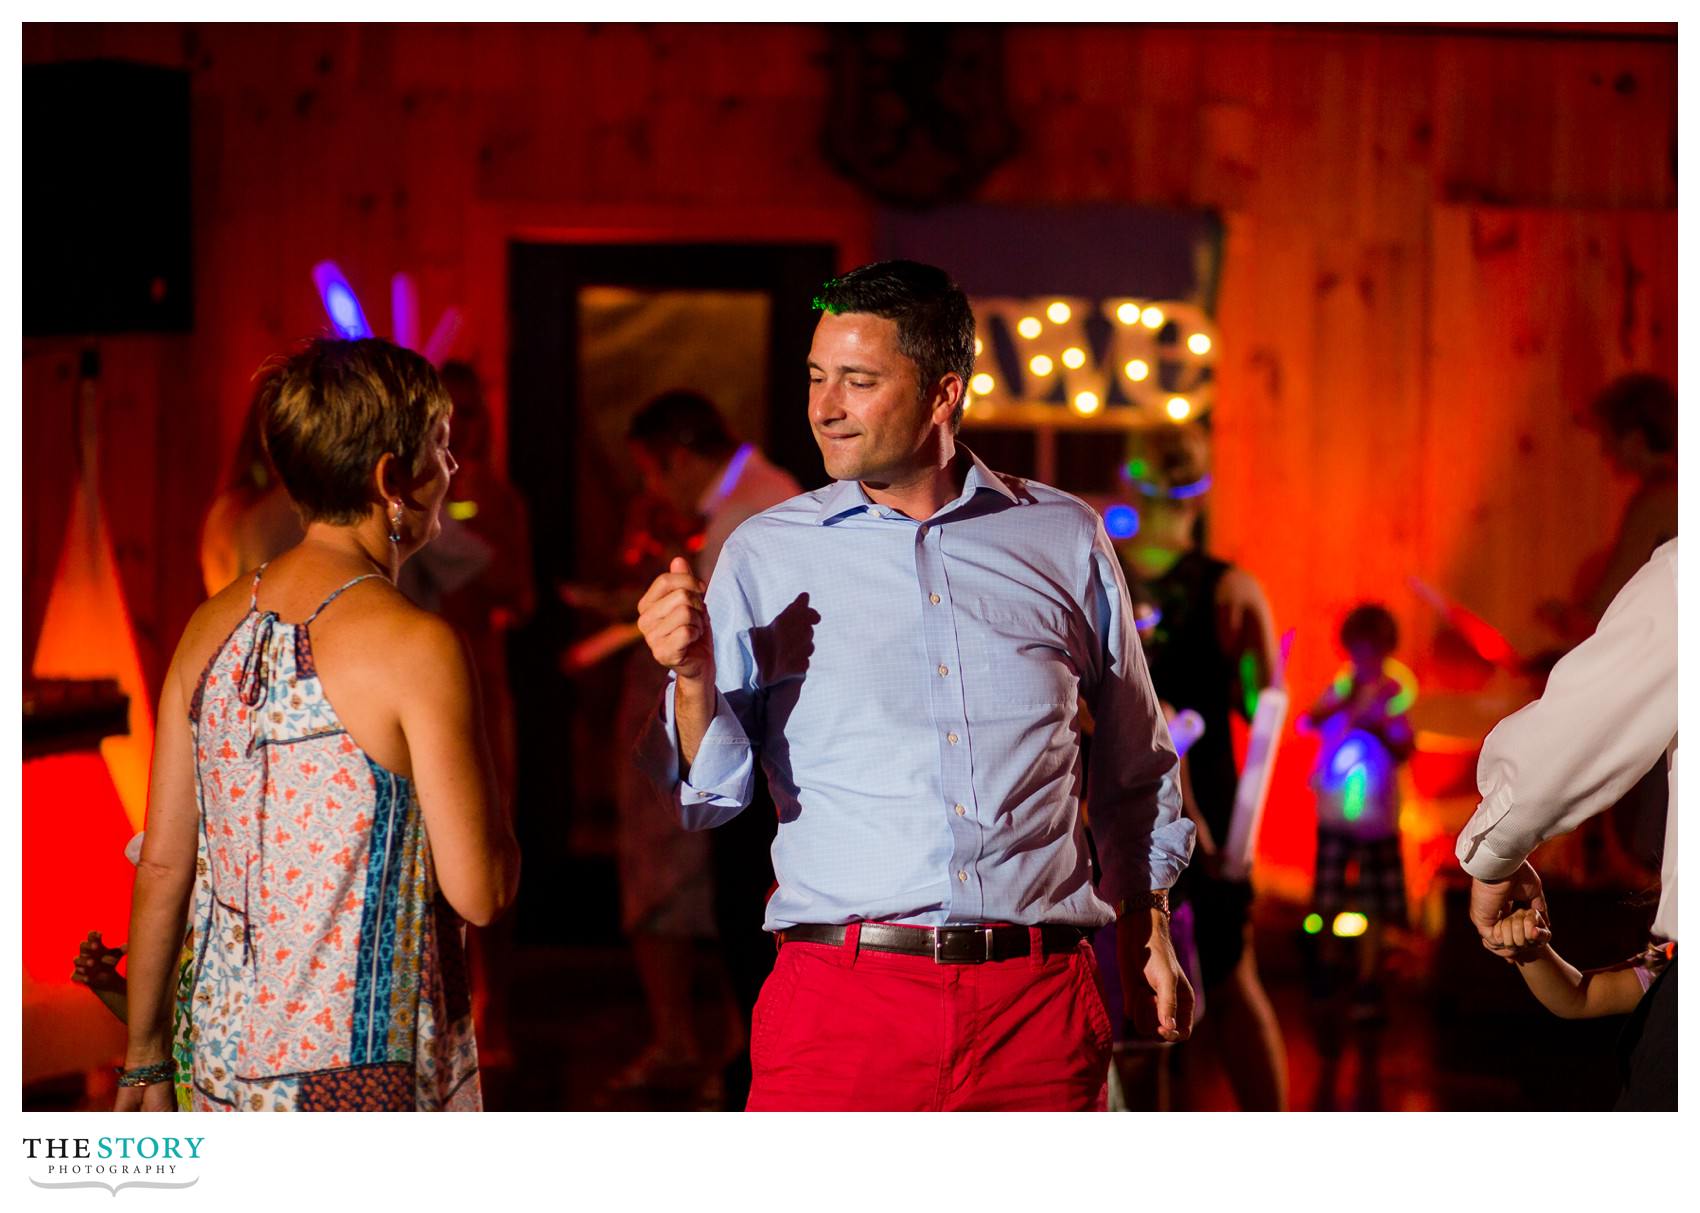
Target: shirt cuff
(720,779)
(1475,854)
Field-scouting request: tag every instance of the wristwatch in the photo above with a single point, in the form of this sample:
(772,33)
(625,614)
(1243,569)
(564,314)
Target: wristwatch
(1156,899)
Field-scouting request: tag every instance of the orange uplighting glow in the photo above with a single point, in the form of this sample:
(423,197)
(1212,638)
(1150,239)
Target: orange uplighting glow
(87,633)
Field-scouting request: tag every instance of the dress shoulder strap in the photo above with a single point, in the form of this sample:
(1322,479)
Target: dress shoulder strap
(332,597)
(254,594)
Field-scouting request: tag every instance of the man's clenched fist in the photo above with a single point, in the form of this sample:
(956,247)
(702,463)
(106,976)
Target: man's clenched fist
(674,623)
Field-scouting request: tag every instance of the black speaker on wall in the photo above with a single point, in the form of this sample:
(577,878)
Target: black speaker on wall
(106,199)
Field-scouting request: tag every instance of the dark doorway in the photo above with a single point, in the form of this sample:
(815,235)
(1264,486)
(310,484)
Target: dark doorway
(593,330)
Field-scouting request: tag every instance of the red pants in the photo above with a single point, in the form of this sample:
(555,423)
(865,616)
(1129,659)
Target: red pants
(839,1029)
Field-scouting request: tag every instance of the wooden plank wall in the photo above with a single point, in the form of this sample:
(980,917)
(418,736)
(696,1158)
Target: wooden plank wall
(1428,235)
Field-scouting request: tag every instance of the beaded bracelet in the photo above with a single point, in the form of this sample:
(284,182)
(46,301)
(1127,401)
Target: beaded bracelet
(146,1076)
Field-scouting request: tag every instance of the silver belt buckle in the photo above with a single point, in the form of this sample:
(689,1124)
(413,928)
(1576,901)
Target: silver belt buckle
(938,947)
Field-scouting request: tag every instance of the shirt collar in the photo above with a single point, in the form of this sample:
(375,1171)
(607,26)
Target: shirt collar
(846,496)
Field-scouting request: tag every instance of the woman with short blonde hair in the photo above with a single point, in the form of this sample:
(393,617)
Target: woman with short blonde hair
(321,811)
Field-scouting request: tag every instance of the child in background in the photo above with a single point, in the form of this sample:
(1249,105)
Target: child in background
(1366,735)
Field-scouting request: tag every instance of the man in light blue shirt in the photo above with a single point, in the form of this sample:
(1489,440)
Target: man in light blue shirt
(911,654)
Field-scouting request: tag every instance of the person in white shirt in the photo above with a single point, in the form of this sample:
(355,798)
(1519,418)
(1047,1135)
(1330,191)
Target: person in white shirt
(1607,716)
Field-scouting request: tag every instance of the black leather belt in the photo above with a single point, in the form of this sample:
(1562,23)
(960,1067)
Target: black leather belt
(945,945)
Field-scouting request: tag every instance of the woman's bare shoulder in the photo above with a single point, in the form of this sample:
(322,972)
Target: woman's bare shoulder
(382,631)
(209,627)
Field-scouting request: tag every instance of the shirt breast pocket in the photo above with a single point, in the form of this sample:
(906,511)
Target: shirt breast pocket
(1019,656)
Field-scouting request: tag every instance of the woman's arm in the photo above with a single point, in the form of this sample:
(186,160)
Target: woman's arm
(472,841)
(160,903)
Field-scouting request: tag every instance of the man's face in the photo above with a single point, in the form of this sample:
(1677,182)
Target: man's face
(866,408)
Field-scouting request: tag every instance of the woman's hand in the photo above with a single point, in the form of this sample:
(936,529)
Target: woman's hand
(155,1097)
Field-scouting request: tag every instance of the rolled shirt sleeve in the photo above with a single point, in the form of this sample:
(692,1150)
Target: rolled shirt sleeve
(720,783)
(1608,714)
(1143,840)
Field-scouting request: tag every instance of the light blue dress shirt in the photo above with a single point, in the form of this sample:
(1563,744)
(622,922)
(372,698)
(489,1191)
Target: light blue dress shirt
(913,691)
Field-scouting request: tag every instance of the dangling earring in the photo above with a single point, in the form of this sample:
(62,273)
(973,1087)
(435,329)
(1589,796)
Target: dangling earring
(395,522)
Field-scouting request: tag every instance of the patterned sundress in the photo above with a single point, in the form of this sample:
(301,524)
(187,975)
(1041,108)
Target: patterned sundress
(328,971)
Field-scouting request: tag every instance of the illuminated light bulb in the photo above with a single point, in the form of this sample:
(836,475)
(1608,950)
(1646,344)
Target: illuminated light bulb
(1029,327)
(1128,313)
(1152,317)
(1350,925)
(1137,370)
(982,384)
(1313,924)
(1198,343)
(1041,365)
(1087,403)
(1074,358)
(979,347)
(1058,312)
(1179,407)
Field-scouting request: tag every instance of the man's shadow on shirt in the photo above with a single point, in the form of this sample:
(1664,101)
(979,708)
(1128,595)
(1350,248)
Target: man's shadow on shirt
(782,650)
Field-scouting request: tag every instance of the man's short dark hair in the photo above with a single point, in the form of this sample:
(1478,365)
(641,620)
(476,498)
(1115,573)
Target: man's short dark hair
(1371,624)
(935,325)
(1639,402)
(683,419)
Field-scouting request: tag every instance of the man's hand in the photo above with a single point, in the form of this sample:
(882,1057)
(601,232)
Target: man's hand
(1155,990)
(674,623)
(1492,900)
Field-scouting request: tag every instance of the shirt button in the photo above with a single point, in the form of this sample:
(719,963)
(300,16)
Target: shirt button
(960,811)
(950,737)
(962,876)
(944,671)
(935,598)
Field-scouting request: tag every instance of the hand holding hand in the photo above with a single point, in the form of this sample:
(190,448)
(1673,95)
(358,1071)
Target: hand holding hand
(674,623)
(1492,900)
(1520,933)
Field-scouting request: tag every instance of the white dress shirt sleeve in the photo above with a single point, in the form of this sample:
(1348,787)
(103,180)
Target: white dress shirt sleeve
(1608,713)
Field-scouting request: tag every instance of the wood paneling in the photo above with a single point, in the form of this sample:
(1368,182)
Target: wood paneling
(1427,235)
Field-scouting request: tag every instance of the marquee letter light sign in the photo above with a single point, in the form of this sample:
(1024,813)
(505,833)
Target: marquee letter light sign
(1121,362)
